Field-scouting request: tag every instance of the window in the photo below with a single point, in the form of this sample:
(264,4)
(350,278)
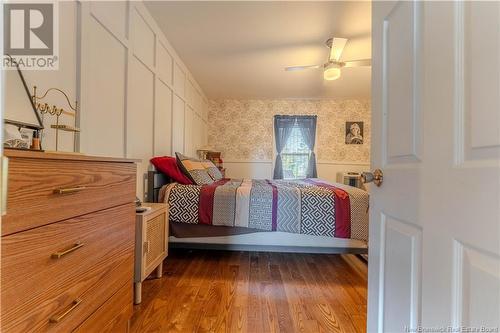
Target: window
(295,156)
(295,137)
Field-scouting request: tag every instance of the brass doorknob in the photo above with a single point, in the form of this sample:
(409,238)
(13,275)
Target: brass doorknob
(377,177)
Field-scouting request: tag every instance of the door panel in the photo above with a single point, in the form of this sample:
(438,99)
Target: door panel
(402,256)
(477,287)
(478,81)
(401,42)
(482,71)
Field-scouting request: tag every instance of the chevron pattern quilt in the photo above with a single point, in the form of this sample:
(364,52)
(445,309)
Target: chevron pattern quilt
(307,206)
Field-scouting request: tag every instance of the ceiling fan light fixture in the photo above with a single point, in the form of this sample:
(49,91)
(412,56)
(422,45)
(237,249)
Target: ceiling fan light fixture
(332,72)
(332,67)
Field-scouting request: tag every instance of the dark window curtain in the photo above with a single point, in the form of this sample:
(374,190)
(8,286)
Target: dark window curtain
(282,129)
(307,125)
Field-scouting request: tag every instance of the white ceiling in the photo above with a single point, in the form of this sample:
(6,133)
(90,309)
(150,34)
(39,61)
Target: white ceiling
(237,49)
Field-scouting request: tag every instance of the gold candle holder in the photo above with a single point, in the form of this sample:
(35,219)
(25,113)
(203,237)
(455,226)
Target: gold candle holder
(45,108)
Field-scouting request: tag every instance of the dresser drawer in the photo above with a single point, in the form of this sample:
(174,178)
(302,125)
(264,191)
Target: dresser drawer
(113,316)
(55,190)
(45,275)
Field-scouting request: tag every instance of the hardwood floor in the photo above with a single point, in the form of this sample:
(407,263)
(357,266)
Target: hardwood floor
(254,292)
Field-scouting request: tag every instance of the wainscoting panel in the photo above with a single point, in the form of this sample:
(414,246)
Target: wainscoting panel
(103,92)
(143,39)
(197,127)
(179,80)
(188,131)
(140,117)
(197,107)
(163,120)
(140,111)
(164,64)
(178,125)
(112,14)
(204,110)
(189,93)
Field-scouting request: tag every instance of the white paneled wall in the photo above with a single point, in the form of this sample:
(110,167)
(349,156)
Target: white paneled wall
(138,99)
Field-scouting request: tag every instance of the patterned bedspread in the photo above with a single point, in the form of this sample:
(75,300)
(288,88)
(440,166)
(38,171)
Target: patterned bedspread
(308,206)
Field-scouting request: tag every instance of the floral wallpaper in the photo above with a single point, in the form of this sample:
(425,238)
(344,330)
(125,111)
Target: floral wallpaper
(243,129)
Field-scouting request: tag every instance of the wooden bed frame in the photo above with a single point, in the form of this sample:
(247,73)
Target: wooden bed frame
(260,241)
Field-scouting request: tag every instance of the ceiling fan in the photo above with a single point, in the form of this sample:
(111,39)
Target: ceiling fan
(331,69)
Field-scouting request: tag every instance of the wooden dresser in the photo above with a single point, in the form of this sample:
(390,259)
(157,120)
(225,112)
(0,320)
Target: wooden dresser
(67,243)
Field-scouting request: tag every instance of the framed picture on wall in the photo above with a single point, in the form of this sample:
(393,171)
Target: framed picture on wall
(354,132)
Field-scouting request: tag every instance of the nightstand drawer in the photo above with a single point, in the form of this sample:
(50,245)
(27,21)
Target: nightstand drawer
(55,190)
(55,276)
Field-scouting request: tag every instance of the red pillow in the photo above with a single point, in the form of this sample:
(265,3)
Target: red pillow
(168,166)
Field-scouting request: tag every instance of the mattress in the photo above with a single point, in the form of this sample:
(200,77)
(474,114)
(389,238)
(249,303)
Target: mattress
(308,206)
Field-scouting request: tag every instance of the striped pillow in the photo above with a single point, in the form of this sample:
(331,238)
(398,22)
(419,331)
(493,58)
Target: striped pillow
(212,170)
(193,169)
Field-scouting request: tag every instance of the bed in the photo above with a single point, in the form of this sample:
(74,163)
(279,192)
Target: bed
(309,215)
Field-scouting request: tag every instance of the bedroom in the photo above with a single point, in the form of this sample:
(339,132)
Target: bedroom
(248,235)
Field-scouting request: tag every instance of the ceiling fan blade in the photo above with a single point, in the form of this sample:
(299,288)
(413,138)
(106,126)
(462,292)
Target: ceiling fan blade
(338,45)
(358,63)
(299,68)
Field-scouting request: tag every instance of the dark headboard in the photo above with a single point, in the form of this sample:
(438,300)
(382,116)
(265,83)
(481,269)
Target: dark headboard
(156,180)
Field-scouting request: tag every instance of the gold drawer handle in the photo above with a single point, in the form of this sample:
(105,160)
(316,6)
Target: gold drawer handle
(69,190)
(57,318)
(60,254)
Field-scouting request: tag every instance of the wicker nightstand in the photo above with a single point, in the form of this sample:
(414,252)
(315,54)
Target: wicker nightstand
(151,244)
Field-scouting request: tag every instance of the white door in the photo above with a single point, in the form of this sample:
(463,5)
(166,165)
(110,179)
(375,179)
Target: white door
(434,255)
